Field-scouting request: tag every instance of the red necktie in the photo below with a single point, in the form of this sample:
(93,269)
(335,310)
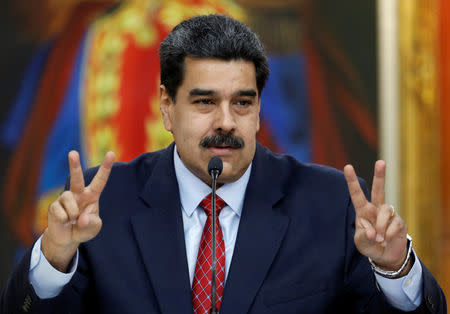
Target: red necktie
(201,285)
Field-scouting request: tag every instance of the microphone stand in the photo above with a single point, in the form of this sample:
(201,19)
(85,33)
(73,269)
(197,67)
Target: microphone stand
(215,174)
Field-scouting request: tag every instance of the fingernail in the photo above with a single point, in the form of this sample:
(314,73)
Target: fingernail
(383,244)
(379,238)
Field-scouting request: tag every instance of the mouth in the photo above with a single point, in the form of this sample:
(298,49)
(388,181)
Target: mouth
(221,150)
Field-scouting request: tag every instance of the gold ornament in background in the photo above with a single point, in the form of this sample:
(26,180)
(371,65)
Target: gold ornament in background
(420,190)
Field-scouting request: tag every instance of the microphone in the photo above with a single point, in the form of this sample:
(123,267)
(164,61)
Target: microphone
(215,167)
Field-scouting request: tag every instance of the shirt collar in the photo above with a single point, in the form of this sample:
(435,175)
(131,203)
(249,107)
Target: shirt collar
(193,190)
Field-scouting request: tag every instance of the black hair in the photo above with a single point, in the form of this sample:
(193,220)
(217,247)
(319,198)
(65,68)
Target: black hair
(210,36)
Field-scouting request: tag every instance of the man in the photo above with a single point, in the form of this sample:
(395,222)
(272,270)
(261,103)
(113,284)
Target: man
(289,238)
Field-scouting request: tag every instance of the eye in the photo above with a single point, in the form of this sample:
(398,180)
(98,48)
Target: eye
(243,102)
(204,101)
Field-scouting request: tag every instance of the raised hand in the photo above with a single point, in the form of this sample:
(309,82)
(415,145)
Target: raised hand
(380,233)
(74,217)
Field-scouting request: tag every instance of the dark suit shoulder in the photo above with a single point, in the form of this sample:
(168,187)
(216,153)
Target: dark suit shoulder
(292,171)
(139,168)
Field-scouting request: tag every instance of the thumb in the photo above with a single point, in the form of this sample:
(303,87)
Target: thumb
(83,220)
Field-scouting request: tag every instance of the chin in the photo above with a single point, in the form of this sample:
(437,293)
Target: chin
(227,177)
(230,172)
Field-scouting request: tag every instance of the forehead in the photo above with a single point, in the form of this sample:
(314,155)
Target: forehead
(222,76)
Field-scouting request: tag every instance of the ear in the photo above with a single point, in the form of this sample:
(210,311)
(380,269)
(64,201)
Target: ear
(166,106)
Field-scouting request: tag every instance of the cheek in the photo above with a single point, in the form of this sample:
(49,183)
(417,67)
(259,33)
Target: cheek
(252,127)
(192,129)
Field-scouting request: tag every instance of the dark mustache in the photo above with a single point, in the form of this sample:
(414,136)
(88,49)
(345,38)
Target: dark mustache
(222,139)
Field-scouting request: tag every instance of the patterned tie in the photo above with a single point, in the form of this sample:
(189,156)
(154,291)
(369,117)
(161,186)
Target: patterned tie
(201,285)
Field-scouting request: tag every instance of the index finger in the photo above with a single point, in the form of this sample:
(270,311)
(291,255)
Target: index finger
(76,173)
(99,181)
(358,198)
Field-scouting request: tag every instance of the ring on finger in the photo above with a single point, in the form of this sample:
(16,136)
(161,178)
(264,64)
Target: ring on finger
(392,211)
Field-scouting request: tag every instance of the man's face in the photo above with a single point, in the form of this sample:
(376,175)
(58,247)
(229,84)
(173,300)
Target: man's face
(216,97)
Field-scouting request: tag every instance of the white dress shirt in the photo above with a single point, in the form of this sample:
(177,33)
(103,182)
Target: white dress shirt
(192,192)
(404,293)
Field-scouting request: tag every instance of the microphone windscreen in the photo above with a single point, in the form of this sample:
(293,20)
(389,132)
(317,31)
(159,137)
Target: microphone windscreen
(215,164)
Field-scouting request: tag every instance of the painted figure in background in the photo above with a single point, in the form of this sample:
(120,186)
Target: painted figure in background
(93,88)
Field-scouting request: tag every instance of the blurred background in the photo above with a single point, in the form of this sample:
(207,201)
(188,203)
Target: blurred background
(351,82)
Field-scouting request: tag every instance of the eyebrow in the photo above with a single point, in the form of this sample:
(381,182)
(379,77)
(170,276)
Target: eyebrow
(209,92)
(246,92)
(201,92)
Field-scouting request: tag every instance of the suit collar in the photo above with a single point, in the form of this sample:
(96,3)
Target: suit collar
(192,189)
(161,181)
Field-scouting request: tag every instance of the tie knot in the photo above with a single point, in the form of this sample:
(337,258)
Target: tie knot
(206,204)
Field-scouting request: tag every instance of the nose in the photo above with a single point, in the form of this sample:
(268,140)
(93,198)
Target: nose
(224,119)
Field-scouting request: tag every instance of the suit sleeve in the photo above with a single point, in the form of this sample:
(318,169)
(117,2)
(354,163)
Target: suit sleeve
(77,296)
(361,289)
(19,296)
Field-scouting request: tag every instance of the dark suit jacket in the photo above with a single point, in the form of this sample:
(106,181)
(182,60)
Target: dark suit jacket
(294,251)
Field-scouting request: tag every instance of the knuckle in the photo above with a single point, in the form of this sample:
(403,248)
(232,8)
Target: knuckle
(53,208)
(56,211)
(66,196)
(71,209)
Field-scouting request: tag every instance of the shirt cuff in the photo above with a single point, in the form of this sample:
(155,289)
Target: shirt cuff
(404,293)
(45,279)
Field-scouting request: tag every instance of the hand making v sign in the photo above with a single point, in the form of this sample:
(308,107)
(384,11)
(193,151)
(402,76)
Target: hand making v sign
(74,217)
(380,233)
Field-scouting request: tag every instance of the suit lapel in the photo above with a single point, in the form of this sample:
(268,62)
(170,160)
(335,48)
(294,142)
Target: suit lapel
(160,236)
(261,231)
